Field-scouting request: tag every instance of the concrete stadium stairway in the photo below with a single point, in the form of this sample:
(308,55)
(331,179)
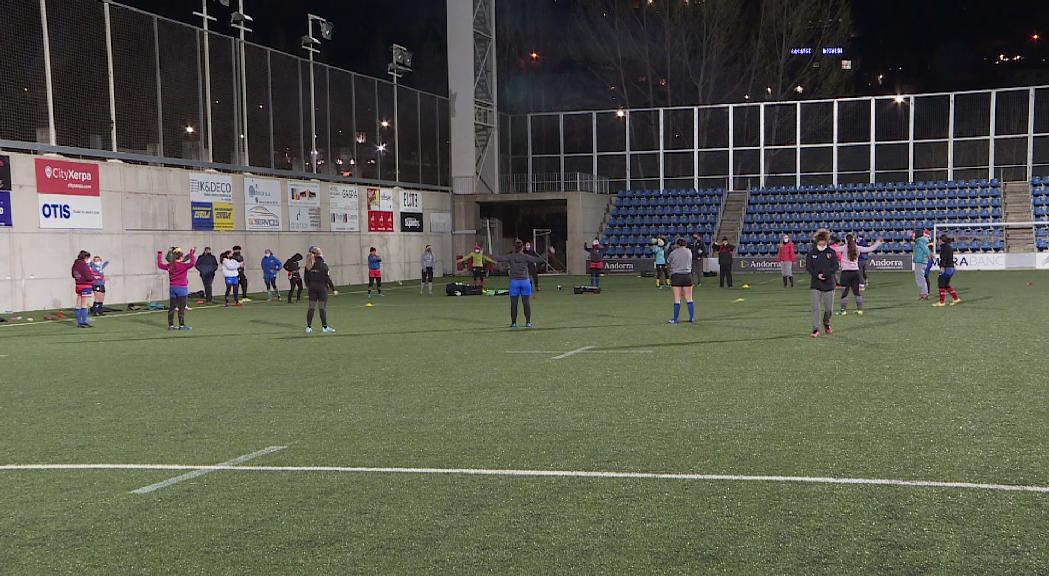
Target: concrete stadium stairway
(1016,207)
(732,211)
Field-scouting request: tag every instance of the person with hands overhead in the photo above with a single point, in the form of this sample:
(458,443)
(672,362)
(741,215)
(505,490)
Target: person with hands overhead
(178,284)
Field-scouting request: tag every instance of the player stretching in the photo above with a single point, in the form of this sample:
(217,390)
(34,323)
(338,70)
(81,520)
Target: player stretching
(520,282)
(850,255)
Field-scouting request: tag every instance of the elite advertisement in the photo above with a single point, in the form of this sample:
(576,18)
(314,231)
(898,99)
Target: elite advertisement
(411,211)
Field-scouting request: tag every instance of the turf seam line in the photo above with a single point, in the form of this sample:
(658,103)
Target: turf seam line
(573,352)
(225,467)
(207,470)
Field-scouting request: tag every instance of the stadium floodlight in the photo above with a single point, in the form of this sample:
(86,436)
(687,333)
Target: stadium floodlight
(899,99)
(239,20)
(621,113)
(400,64)
(309,44)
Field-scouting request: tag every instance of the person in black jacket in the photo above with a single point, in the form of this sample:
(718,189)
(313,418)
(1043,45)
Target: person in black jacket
(243,278)
(207,265)
(317,283)
(947,271)
(291,266)
(725,261)
(533,268)
(822,264)
(699,254)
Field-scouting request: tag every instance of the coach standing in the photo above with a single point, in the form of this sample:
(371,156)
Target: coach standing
(699,253)
(207,266)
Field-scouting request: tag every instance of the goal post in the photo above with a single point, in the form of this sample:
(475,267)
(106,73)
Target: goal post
(997,245)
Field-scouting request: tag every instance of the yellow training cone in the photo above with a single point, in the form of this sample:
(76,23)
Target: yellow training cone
(369,305)
(739,300)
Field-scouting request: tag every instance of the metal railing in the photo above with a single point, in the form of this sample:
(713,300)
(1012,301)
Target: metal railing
(98,79)
(554,182)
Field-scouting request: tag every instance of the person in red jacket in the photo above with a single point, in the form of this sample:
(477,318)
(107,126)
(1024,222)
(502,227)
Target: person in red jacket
(786,257)
(84,280)
(177,271)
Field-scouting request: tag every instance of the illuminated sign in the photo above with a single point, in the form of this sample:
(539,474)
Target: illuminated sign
(833,51)
(801,51)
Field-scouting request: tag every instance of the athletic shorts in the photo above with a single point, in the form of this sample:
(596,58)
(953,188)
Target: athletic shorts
(317,294)
(178,292)
(428,274)
(478,272)
(100,288)
(232,281)
(681,280)
(85,291)
(520,287)
(375,274)
(945,277)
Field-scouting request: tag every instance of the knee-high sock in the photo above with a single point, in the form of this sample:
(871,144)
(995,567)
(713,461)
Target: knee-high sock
(691,311)
(952,292)
(859,302)
(80,316)
(527,301)
(784,281)
(677,310)
(513,309)
(943,295)
(172,305)
(378,285)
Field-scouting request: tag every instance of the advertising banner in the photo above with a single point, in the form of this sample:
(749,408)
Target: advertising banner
(440,222)
(876,263)
(211,197)
(970,261)
(629,265)
(345,208)
(411,201)
(1042,261)
(262,204)
(304,206)
(380,210)
(411,221)
(5,209)
(68,194)
(5,192)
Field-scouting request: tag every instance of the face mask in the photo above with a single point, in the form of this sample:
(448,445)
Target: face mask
(477,250)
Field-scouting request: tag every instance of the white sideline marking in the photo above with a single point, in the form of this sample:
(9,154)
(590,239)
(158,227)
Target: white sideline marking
(206,470)
(536,474)
(573,352)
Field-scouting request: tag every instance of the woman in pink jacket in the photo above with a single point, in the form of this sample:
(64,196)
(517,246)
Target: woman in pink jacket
(179,284)
(786,257)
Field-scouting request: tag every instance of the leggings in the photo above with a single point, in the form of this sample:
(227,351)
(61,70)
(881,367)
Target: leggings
(377,282)
(271,284)
(296,286)
(725,275)
(322,307)
(527,300)
(595,277)
(179,303)
(824,300)
(851,280)
(243,285)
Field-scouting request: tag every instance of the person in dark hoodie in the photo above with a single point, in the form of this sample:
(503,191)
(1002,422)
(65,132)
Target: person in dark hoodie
(822,264)
(207,266)
(242,278)
(699,255)
(291,266)
(533,269)
(725,262)
(317,284)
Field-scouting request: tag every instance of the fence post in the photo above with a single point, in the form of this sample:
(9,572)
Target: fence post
(52,139)
(160,102)
(109,71)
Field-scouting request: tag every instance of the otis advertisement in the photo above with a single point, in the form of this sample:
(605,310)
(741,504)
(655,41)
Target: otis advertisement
(68,194)
(211,198)
(629,265)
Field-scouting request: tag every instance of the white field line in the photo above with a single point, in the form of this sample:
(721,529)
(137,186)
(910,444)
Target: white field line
(543,474)
(544,352)
(202,471)
(573,352)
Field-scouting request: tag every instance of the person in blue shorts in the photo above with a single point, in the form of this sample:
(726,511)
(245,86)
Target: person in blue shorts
(520,282)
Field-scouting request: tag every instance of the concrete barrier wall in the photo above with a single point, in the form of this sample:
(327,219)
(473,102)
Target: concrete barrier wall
(147,208)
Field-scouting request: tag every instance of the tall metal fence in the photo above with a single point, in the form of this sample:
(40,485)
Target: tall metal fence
(99,79)
(948,136)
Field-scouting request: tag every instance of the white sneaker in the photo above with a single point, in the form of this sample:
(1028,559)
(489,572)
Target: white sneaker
(309,330)
(328,330)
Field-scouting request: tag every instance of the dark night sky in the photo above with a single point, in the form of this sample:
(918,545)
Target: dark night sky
(919,46)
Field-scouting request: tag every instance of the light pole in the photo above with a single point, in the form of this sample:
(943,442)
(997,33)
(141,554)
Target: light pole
(207,65)
(240,20)
(309,44)
(399,66)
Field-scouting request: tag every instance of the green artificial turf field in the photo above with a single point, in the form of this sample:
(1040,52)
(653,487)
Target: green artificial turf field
(906,392)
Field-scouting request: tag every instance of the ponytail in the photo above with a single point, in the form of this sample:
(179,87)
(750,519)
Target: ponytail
(854,251)
(311,258)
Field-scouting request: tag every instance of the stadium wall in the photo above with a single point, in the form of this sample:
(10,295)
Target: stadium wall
(148,208)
